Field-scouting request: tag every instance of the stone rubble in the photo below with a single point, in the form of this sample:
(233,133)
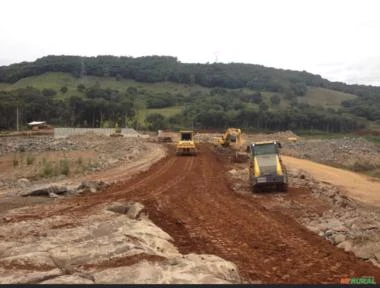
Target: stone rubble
(110,152)
(348,225)
(66,190)
(106,247)
(350,152)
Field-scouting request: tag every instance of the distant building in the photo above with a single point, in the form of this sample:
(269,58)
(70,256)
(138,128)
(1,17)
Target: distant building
(37,125)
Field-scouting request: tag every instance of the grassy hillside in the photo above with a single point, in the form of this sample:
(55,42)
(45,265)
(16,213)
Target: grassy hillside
(326,98)
(315,96)
(56,80)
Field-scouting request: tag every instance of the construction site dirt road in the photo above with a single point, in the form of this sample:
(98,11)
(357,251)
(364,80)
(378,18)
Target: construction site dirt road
(359,187)
(192,199)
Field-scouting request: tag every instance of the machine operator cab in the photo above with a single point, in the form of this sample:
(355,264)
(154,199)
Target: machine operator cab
(264,148)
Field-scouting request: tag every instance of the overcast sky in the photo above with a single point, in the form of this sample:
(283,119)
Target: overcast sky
(338,39)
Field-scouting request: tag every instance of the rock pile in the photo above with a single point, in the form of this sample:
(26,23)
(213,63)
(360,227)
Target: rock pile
(349,226)
(54,191)
(282,136)
(101,144)
(355,153)
(109,152)
(324,190)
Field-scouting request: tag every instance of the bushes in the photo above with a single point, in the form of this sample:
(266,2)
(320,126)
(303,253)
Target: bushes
(51,169)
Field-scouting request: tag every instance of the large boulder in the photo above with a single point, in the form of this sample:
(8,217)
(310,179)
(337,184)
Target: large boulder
(69,279)
(49,191)
(366,250)
(189,269)
(62,249)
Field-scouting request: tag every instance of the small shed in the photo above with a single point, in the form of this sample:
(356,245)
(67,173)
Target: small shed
(37,125)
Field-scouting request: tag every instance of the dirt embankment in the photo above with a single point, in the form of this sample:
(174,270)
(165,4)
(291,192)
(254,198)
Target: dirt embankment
(68,166)
(36,158)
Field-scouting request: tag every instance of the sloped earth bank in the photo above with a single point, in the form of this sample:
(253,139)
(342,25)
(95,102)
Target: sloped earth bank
(136,155)
(359,187)
(191,199)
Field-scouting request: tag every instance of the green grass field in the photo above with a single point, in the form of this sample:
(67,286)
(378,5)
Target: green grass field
(4,86)
(167,112)
(326,98)
(56,80)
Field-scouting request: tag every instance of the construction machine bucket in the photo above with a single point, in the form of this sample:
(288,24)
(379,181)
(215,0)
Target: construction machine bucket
(241,157)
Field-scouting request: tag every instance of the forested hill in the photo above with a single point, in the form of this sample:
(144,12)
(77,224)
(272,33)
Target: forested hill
(165,68)
(202,95)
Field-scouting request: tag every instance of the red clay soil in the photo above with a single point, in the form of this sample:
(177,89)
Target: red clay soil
(192,199)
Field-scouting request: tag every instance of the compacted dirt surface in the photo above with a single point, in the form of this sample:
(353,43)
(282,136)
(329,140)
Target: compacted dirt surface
(193,200)
(359,187)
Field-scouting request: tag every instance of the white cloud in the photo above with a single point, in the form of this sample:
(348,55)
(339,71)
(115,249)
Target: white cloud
(292,34)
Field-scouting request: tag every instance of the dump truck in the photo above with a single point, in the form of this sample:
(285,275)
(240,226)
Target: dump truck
(186,145)
(266,169)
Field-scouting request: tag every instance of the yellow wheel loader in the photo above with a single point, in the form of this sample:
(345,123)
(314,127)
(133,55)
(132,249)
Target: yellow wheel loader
(266,169)
(186,145)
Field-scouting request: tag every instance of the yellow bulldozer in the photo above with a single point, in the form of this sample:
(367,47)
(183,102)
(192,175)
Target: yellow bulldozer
(117,132)
(266,169)
(233,138)
(186,144)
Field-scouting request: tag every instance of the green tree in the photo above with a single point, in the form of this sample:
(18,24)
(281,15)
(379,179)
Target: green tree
(81,88)
(156,121)
(63,89)
(256,98)
(263,106)
(275,99)
(48,92)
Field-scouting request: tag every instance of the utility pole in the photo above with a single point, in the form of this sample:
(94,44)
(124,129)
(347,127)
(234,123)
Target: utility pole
(83,72)
(17,116)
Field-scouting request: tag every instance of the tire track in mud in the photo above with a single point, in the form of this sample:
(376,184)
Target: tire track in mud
(169,181)
(144,183)
(204,215)
(191,199)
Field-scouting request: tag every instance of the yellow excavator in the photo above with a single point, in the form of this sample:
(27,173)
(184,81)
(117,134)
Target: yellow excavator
(233,138)
(186,145)
(266,169)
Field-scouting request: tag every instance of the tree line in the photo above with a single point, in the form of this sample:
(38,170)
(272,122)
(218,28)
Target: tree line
(98,108)
(218,108)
